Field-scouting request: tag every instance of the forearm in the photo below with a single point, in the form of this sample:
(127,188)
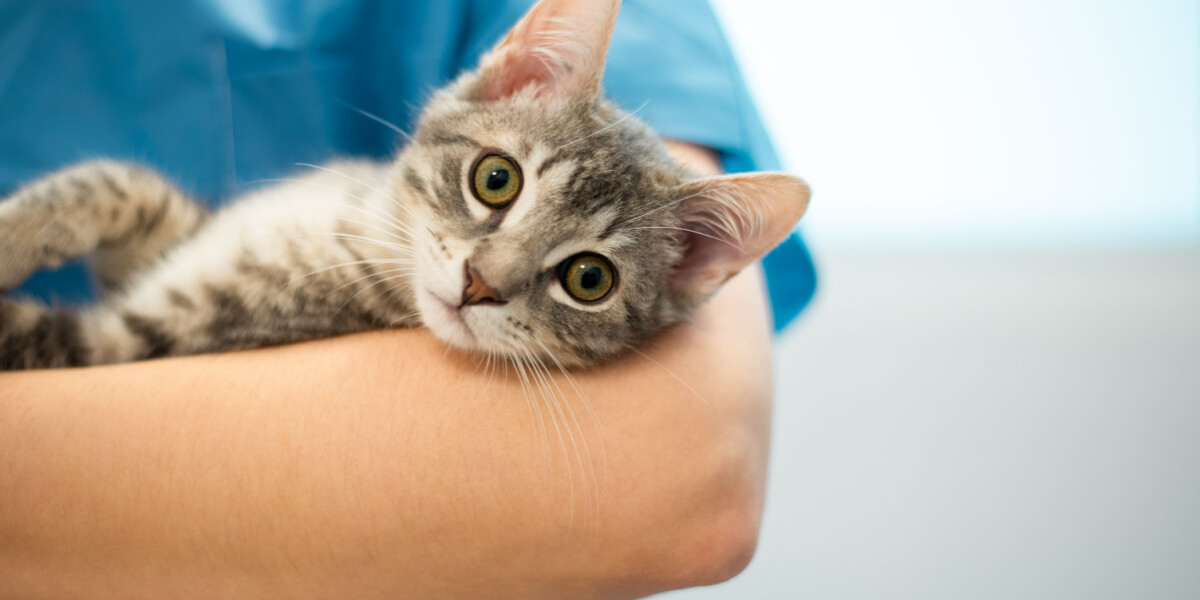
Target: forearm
(376,465)
(370,465)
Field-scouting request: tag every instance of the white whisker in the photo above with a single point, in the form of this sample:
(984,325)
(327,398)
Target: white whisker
(401,271)
(700,233)
(401,249)
(557,414)
(394,200)
(388,219)
(376,213)
(397,236)
(530,401)
(583,437)
(376,118)
(672,374)
(665,206)
(373,261)
(605,128)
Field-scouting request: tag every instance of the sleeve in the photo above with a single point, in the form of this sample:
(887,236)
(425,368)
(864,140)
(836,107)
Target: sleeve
(670,62)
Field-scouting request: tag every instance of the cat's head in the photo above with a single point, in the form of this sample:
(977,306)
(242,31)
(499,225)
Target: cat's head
(554,225)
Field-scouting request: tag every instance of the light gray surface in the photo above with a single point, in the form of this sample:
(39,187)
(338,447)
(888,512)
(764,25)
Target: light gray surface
(987,425)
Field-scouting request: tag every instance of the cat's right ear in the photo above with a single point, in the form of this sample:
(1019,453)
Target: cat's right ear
(730,221)
(557,49)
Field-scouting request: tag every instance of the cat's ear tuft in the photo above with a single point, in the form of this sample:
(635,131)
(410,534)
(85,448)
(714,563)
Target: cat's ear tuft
(559,47)
(732,221)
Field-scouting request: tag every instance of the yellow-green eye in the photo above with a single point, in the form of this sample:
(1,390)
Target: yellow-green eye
(496,181)
(587,277)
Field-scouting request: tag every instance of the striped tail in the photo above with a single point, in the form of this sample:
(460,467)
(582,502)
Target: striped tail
(35,337)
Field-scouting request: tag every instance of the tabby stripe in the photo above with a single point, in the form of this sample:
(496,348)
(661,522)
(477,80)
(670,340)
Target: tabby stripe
(112,186)
(448,139)
(52,341)
(550,162)
(157,218)
(156,342)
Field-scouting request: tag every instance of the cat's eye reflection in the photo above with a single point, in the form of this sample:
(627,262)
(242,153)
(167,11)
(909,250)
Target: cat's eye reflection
(587,277)
(496,180)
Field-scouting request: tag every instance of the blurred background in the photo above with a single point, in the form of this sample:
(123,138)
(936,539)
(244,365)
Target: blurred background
(996,393)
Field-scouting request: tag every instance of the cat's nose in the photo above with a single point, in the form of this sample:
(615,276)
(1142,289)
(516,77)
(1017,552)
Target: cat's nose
(476,290)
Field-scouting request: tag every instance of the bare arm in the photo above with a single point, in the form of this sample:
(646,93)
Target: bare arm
(372,466)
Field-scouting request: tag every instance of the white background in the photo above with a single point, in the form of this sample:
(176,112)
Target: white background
(997,122)
(996,393)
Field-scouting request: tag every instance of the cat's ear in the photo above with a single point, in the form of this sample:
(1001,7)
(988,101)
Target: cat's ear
(732,221)
(559,46)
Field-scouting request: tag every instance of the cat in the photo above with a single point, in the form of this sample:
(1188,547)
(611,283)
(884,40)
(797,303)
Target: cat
(526,216)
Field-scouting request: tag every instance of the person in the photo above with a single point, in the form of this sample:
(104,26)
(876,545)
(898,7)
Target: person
(376,464)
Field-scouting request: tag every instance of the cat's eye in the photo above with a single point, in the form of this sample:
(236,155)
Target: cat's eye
(587,277)
(496,180)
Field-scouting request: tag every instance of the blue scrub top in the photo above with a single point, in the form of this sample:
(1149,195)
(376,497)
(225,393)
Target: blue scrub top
(220,95)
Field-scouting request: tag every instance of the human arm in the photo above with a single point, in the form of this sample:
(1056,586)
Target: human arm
(372,466)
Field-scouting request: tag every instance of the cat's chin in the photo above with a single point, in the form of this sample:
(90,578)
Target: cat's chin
(446,322)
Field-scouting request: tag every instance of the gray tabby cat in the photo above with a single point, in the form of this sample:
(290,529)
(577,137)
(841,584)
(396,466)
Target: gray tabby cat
(526,217)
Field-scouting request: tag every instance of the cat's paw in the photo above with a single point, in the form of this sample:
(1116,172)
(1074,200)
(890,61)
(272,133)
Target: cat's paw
(18,260)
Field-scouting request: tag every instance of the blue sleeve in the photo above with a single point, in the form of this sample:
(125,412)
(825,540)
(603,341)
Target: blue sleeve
(671,63)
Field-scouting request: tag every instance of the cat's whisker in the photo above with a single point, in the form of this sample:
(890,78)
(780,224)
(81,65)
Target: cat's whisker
(672,374)
(555,416)
(373,214)
(595,487)
(493,366)
(485,362)
(395,200)
(401,249)
(403,276)
(605,128)
(397,236)
(542,398)
(700,233)
(400,270)
(587,404)
(308,182)
(389,219)
(527,393)
(370,261)
(376,118)
(376,213)
(663,207)
(579,445)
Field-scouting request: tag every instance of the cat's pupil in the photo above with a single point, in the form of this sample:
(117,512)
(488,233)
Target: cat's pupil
(591,278)
(497,179)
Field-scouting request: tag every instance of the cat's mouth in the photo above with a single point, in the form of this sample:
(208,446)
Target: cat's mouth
(451,314)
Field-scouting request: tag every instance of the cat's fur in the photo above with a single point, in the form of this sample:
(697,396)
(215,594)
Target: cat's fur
(357,245)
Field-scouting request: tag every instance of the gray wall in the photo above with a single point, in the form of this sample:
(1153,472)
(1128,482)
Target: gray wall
(987,425)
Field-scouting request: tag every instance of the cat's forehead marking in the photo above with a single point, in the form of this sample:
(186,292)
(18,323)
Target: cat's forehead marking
(445,138)
(588,241)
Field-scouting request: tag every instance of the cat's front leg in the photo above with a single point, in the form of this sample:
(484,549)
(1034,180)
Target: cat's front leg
(128,216)
(28,240)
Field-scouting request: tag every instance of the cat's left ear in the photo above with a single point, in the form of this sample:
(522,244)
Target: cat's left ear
(732,221)
(559,46)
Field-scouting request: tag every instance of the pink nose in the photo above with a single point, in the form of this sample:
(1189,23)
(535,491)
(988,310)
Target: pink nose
(476,290)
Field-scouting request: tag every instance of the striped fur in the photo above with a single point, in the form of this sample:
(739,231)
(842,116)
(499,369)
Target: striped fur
(358,245)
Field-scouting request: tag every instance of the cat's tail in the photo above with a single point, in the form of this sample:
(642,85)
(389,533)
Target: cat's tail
(33,336)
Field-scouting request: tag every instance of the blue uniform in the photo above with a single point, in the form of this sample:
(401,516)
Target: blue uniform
(220,95)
